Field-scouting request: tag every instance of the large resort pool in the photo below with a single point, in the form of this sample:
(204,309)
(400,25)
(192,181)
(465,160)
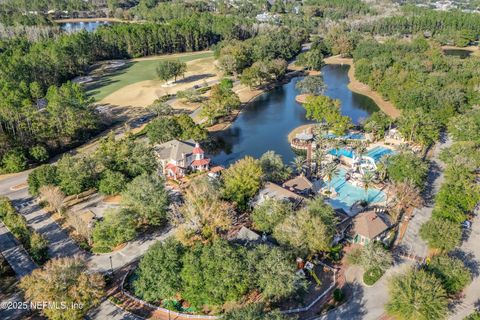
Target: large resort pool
(348,194)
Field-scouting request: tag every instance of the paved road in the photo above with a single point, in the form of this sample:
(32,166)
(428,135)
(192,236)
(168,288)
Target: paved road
(108,310)
(470,254)
(131,252)
(412,242)
(14,253)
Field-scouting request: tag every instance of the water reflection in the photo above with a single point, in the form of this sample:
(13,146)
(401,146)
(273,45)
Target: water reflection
(266,122)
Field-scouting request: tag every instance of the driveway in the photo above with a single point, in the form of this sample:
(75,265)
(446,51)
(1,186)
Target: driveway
(367,303)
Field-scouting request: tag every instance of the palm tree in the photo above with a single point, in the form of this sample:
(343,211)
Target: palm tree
(318,156)
(360,149)
(367,180)
(298,164)
(331,171)
(382,168)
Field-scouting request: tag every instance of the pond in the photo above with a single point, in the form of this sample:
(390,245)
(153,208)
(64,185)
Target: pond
(89,26)
(266,122)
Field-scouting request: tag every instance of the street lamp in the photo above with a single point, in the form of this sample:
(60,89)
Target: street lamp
(111,265)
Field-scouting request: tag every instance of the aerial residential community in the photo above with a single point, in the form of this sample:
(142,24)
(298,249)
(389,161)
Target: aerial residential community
(240,159)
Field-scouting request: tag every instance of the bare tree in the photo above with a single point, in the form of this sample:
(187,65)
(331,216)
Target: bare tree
(407,195)
(53,196)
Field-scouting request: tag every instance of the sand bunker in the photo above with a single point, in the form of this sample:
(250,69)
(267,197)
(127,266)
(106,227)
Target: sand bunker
(143,93)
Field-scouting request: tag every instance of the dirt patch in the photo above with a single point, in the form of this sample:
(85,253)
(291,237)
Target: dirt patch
(361,88)
(112,199)
(143,93)
(302,98)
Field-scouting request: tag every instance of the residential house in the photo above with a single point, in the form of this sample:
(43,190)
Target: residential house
(177,158)
(300,185)
(370,226)
(274,191)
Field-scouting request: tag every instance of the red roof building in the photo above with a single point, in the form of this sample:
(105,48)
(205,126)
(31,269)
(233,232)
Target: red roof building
(180,157)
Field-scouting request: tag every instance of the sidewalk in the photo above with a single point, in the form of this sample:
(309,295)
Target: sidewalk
(15,254)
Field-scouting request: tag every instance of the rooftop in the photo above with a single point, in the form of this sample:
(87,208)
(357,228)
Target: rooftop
(370,224)
(274,191)
(299,183)
(175,149)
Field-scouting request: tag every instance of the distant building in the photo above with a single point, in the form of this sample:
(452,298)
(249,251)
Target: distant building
(246,236)
(266,17)
(300,185)
(274,191)
(370,226)
(177,158)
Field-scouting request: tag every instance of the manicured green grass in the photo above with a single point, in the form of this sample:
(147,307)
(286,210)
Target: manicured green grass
(372,275)
(133,72)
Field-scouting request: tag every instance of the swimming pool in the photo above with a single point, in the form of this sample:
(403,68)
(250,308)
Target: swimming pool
(348,136)
(348,194)
(378,152)
(341,152)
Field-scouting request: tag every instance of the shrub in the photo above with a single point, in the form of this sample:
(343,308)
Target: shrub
(372,275)
(38,248)
(338,295)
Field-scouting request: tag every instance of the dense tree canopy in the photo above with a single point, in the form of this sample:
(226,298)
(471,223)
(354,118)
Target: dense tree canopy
(146,196)
(309,230)
(407,167)
(327,110)
(273,167)
(451,271)
(77,287)
(242,181)
(417,295)
(267,215)
(441,234)
(208,275)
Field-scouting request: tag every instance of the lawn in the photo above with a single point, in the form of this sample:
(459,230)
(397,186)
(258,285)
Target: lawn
(133,72)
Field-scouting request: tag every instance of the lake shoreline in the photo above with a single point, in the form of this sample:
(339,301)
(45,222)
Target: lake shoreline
(358,87)
(354,85)
(251,95)
(74,20)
